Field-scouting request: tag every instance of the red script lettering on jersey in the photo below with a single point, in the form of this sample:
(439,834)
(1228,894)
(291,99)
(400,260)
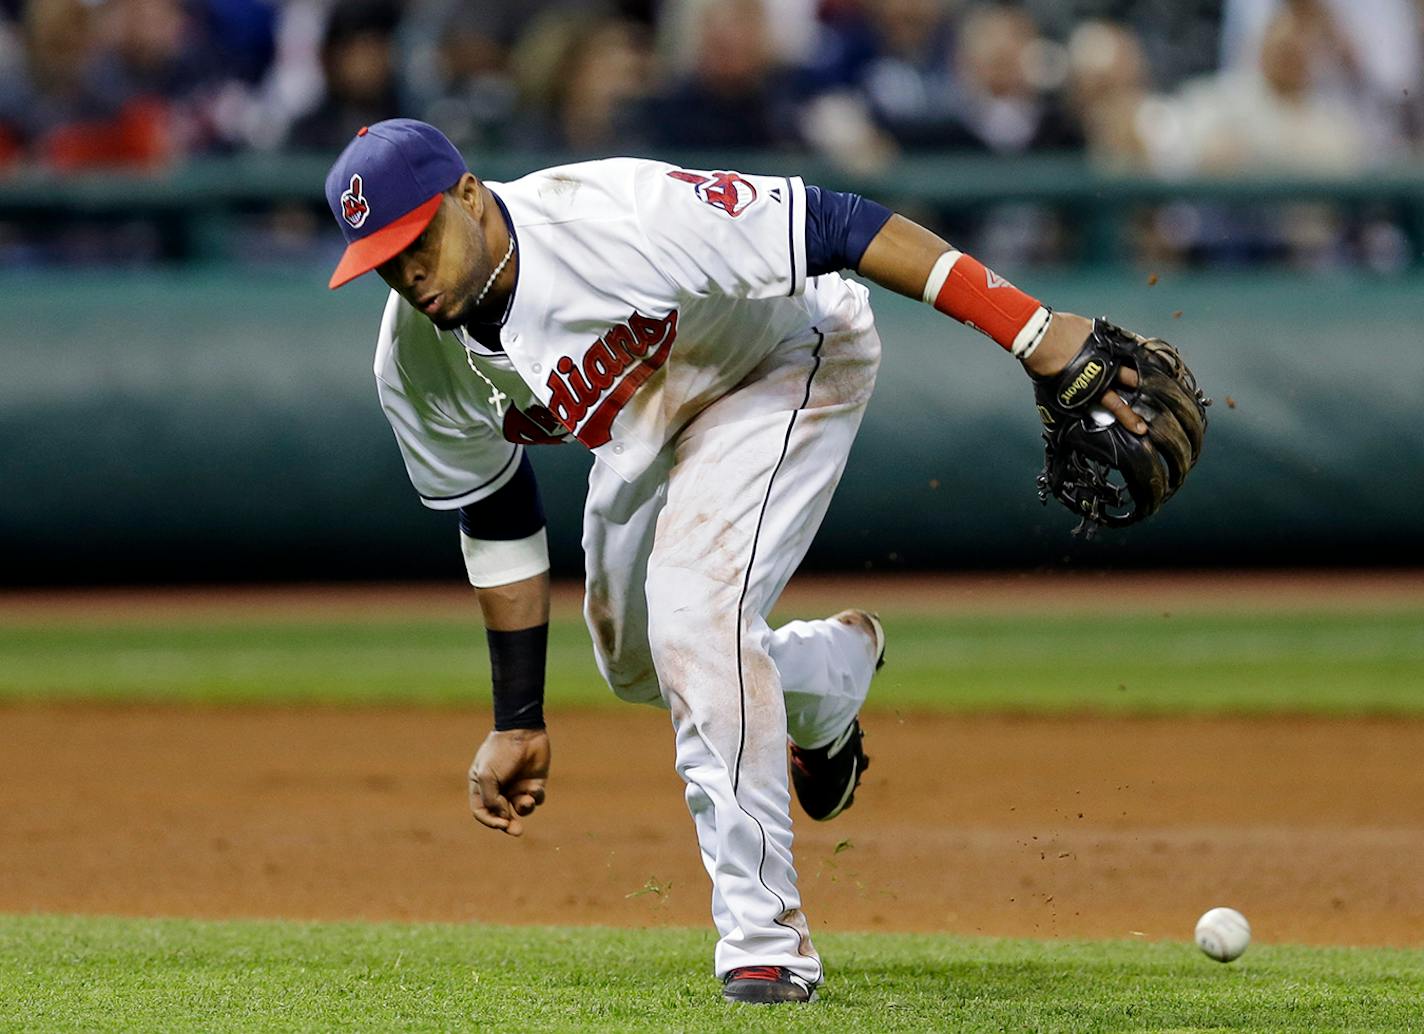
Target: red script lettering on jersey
(727,191)
(579,393)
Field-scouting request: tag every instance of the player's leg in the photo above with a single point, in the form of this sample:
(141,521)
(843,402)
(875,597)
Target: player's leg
(619,522)
(751,481)
(620,519)
(835,659)
(826,667)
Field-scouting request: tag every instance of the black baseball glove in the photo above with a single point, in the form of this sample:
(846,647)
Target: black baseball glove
(1098,469)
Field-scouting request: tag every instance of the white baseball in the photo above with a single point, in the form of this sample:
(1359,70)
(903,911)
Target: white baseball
(1223,933)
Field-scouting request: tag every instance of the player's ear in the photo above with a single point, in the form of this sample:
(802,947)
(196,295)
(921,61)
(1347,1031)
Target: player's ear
(468,194)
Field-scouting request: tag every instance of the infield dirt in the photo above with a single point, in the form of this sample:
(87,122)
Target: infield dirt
(1072,827)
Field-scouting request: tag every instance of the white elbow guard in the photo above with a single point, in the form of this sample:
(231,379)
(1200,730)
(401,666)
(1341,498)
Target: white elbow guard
(492,562)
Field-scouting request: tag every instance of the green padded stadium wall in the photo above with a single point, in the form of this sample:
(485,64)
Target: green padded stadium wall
(222,423)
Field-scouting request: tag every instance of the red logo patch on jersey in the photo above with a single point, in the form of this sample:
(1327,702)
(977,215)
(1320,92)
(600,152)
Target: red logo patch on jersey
(579,392)
(725,190)
(353,206)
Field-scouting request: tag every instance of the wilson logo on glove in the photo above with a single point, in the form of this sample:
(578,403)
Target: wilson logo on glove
(1091,373)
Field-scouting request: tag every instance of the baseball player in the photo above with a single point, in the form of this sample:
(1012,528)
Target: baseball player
(692,329)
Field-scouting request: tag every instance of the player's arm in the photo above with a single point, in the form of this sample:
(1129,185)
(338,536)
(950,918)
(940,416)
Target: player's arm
(507,560)
(846,231)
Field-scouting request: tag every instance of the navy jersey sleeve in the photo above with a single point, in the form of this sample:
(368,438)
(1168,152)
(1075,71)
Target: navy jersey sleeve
(839,227)
(514,512)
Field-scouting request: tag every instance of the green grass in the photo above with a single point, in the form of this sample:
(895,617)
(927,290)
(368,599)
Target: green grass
(1323,662)
(69,974)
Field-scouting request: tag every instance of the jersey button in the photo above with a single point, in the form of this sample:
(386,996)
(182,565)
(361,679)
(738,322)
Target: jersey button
(618,448)
(536,368)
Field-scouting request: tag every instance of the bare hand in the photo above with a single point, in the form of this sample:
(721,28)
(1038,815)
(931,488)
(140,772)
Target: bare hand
(1063,340)
(507,778)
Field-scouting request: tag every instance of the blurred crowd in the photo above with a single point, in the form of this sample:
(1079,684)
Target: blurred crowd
(1172,86)
(1158,87)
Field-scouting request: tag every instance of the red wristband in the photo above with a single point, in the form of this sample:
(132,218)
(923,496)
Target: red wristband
(963,288)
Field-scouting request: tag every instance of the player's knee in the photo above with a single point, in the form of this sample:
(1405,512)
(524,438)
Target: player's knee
(620,652)
(633,680)
(701,639)
(687,616)
(639,687)
(675,650)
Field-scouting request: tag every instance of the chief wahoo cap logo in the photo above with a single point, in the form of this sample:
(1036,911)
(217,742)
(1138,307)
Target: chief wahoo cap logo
(354,208)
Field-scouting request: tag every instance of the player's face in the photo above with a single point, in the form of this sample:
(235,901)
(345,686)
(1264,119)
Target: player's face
(442,270)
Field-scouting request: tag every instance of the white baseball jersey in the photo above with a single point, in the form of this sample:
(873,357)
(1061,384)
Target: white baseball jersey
(644,293)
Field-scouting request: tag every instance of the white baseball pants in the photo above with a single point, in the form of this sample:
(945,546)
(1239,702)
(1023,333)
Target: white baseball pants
(684,565)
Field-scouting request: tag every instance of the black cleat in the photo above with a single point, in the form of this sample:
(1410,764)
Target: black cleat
(766,985)
(826,778)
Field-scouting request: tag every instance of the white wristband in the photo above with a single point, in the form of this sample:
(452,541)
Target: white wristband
(939,273)
(1030,337)
(491,562)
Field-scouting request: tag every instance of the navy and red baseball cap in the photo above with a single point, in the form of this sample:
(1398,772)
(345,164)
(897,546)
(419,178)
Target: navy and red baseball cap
(385,188)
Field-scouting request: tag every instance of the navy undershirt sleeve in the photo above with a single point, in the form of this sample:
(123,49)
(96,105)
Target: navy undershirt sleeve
(513,512)
(839,227)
